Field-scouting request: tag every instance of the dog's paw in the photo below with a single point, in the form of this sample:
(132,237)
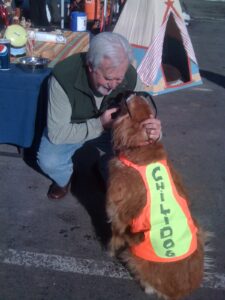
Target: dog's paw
(139,237)
(149,290)
(135,238)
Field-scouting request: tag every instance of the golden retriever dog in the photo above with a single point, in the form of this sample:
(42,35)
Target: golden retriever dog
(153,231)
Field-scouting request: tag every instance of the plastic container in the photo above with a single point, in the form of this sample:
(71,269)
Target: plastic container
(78,21)
(92,9)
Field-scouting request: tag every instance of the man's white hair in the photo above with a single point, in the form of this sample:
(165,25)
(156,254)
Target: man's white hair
(109,45)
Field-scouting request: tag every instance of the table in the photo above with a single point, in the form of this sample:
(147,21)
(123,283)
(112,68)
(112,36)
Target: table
(23,95)
(19,94)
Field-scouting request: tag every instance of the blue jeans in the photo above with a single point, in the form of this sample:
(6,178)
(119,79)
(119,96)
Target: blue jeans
(55,160)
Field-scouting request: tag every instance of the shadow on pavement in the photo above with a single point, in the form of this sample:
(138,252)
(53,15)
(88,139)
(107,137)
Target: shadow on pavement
(214,77)
(89,188)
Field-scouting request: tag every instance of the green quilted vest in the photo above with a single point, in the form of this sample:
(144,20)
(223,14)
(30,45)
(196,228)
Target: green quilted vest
(71,74)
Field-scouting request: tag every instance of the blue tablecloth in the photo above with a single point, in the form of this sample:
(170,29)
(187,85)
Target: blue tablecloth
(19,96)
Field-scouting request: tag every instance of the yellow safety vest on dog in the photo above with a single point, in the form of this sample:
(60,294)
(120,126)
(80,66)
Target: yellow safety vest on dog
(170,233)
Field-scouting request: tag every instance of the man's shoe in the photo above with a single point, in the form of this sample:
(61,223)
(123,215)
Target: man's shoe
(56,192)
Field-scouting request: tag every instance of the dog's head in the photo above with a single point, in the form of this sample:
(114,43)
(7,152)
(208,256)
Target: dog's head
(127,129)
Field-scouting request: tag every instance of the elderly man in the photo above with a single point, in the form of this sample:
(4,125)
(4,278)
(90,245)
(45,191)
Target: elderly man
(81,91)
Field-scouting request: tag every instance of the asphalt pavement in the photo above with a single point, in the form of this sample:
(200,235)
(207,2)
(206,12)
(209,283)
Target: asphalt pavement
(56,250)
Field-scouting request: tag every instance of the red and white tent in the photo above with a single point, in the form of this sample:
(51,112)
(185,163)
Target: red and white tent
(164,55)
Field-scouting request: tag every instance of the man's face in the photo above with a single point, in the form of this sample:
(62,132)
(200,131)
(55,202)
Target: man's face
(106,78)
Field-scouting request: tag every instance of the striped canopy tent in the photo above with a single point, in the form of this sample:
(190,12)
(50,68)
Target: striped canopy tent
(164,55)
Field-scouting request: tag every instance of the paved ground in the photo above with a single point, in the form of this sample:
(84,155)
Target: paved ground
(56,251)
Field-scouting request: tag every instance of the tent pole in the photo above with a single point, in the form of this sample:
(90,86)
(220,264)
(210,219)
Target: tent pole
(104,13)
(62,14)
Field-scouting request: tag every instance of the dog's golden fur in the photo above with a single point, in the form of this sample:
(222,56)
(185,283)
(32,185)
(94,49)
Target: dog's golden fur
(126,197)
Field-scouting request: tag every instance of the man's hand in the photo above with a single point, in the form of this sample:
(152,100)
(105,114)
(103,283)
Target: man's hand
(153,128)
(106,118)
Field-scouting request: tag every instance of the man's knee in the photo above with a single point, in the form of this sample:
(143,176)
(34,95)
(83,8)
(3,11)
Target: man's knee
(48,163)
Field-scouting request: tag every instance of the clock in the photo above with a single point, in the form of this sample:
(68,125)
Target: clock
(17,35)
